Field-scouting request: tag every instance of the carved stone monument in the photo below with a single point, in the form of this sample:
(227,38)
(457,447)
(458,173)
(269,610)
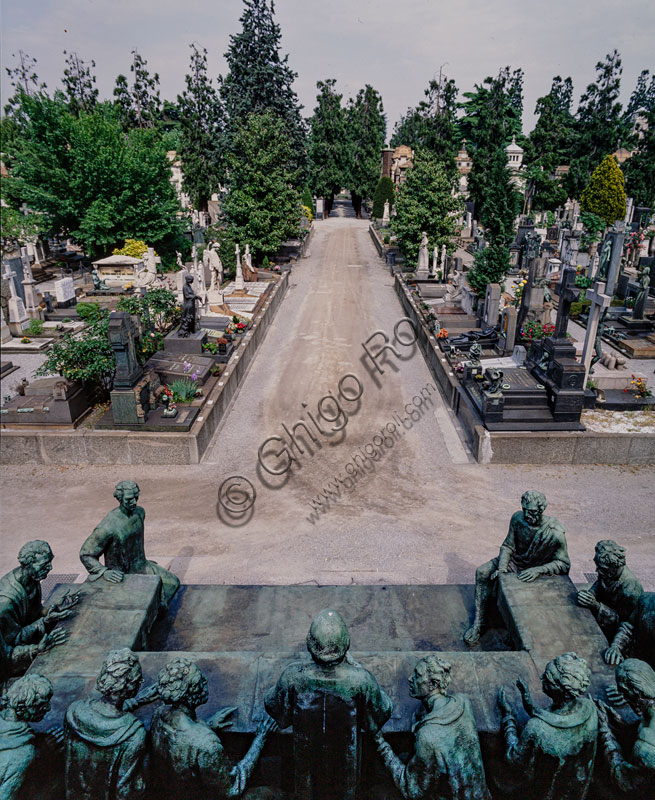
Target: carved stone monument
(422,266)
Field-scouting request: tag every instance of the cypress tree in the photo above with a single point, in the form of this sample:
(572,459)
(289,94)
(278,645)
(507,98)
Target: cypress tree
(366,129)
(605,194)
(383,192)
(259,79)
(139,103)
(327,143)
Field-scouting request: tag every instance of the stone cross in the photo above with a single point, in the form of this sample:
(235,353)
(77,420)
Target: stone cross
(567,294)
(16,307)
(599,302)
(433,266)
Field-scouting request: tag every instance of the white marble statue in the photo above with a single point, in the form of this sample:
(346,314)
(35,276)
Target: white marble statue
(433,266)
(455,287)
(215,266)
(423,257)
(385,213)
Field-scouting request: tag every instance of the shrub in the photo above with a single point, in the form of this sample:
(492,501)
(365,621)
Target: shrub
(35,327)
(307,211)
(307,199)
(383,191)
(387,238)
(578,307)
(605,194)
(132,247)
(184,390)
(90,312)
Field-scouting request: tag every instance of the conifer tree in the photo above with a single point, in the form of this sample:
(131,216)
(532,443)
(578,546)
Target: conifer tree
(366,127)
(79,84)
(200,117)
(139,102)
(260,79)
(327,143)
(426,203)
(640,169)
(384,192)
(605,195)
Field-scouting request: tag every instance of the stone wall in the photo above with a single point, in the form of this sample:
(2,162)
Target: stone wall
(88,446)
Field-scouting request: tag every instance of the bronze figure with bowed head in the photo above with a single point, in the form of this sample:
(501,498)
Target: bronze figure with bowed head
(188,759)
(633,776)
(331,702)
(613,597)
(27,700)
(447,761)
(106,745)
(26,626)
(119,538)
(555,753)
(535,545)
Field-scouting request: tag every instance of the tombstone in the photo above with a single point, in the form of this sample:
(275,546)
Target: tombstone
(134,392)
(65,292)
(491,305)
(422,266)
(600,300)
(433,265)
(468,222)
(610,259)
(552,233)
(385,213)
(239,283)
(320,205)
(31,304)
(533,305)
(18,318)
(629,210)
(47,299)
(507,336)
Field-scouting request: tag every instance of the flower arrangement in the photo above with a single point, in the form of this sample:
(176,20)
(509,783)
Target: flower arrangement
(518,293)
(535,330)
(641,390)
(443,333)
(25,340)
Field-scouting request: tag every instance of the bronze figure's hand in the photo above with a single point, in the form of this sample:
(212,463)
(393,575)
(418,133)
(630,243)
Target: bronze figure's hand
(613,655)
(587,600)
(113,575)
(529,574)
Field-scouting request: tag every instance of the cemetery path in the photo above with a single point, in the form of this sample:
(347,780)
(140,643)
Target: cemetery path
(423,512)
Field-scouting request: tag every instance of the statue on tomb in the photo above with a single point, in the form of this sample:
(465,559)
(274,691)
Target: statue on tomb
(178,260)
(455,287)
(98,284)
(119,538)
(637,636)
(423,257)
(535,545)
(639,308)
(556,750)
(187,756)
(612,599)
(15,660)
(26,700)
(532,243)
(23,618)
(249,274)
(330,702)
(189,311)
(5,294)
(447,761)
(633,776)
(106,745)
(215,266)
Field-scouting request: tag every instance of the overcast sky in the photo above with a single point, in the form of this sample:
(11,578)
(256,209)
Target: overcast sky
(395,45)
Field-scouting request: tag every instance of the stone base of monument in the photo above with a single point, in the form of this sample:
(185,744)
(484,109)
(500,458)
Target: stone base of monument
(156,421)
(174,343)
(49,401)
(641,326)
(6,368)
(171,366)
(242,637)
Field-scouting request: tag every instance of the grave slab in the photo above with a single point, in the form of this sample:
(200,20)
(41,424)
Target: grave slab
(192,344)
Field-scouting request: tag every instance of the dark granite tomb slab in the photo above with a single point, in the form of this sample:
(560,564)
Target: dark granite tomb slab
(174,343)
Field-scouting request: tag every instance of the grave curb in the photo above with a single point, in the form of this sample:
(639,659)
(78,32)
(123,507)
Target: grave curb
(86,446)
(522,447)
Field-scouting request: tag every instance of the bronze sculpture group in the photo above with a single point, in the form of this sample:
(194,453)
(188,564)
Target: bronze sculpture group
(335,707)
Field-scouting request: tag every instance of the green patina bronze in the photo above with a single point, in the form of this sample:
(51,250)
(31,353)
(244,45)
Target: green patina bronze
(613,597)
(633,776)
(554,756)
(636,637)
(188,759)
(447,761)
(27,700)
(120,539)
(106,745)
(331,702)
(27,628)
(535,545)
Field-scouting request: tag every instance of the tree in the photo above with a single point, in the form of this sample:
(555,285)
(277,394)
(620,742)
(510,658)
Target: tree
(605,193)
(262,207)
(640,169)
(426,203)
(432,125)
(139,103)
(327,143)
(642,99)
(549,145)
(259,79)
(384,192)
(489,266)
(601,127)
(366,128)
(89,179)
(79,84)
(200,116)
(18,228)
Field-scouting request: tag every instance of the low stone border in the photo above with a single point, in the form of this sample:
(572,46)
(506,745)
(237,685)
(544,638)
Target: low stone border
(87,446)
(522,447)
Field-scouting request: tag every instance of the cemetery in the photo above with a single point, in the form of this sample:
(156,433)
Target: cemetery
(327,430)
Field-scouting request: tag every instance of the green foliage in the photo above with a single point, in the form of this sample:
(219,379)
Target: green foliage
(384,191)
(307,199)
(184,390)
(366,129)
(201,118)
(89,179)
(259,79)
(432,125)
(87,357)
(132,247)
(600,125)
(583,282)
(640,169)
(138,102)
(18,228)
(328,145)
(91,312)
(426,203)
(79,84)
(262,206)
(593,228)
(490,266)
(158,306)
(605,193)
(34,327)
(579,307)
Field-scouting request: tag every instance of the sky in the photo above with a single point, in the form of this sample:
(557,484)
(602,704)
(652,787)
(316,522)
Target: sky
(395,45)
